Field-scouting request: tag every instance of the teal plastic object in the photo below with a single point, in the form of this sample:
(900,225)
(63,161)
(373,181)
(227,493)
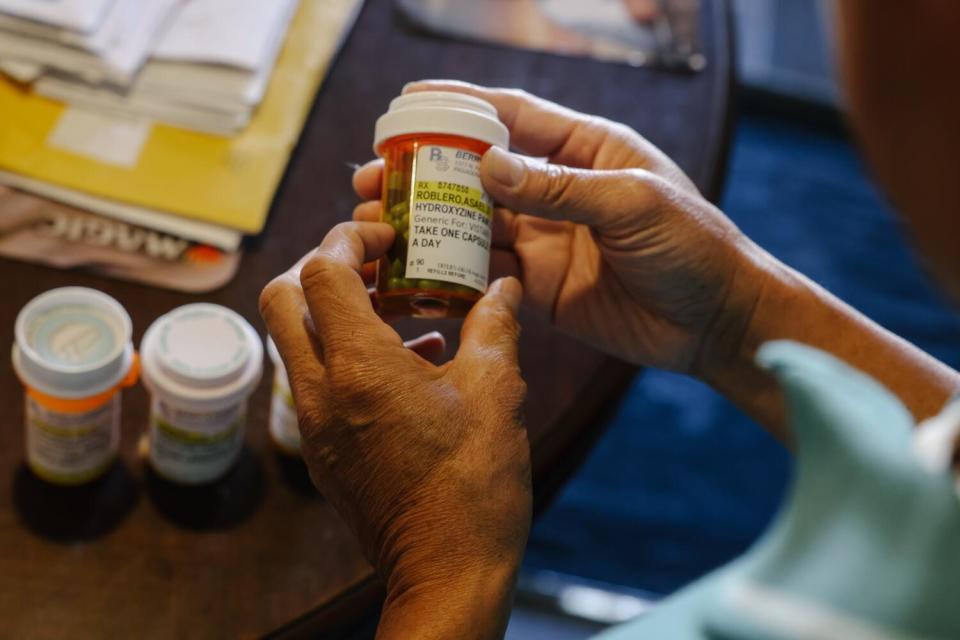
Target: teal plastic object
(867,546)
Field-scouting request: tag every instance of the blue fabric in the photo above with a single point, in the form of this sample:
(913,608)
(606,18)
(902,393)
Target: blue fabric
(682,482)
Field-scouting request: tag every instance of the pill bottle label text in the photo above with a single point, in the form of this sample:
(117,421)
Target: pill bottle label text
(194,447)
(71,448)
(450,218)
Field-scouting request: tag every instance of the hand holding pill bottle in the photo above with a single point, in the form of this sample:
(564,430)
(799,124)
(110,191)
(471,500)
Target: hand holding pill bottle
(432,144)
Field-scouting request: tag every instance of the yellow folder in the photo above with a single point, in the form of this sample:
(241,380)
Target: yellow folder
(218,180)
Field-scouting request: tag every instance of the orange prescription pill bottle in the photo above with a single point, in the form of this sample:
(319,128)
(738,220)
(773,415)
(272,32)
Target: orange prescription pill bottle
(432,143)
(73,354)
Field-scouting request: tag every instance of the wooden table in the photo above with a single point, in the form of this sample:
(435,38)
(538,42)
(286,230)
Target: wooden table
(261,552)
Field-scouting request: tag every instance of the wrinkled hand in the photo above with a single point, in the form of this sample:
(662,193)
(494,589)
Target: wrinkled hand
(612,241)
(429,465)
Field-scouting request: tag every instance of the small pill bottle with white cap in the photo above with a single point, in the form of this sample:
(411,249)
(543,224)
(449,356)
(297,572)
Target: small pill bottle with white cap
(200,363)
(73,354)
(432,143)
(284,430)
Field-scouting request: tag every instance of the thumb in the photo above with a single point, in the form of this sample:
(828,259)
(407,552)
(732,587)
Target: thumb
(490,331)
(604,200)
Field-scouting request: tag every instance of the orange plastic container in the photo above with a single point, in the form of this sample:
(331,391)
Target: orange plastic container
(432,144)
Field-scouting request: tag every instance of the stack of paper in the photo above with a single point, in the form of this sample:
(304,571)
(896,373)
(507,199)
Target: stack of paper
(143,80)
(198,64)
(97,40)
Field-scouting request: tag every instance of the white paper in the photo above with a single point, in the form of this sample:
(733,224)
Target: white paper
(21,71)
(79,15)
(215,84)
(105,138)
(118,48)
(222,122)
(194,94)
(239,33)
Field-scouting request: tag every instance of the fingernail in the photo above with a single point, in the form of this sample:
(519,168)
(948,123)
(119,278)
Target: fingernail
(509,290)
(505,167)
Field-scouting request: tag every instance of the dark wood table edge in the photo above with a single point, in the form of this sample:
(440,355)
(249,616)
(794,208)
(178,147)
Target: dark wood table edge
(353,613)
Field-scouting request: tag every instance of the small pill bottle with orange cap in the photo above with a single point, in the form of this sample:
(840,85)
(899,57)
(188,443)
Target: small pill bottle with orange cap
(432,143)
(73,353)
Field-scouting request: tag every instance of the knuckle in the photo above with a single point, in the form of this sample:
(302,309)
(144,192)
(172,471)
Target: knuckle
(347,229)
(504,383)
(557,184)
(518,95)
(311,420)
(645,189)
(512,382)
(271,294)
(500,320)
(318,271)
(351,380)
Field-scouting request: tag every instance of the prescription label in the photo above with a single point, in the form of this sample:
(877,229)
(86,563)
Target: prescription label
(450,218)
(194,447)
(71,448)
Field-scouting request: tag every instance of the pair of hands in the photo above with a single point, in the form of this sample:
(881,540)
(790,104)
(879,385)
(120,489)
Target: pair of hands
(430,464)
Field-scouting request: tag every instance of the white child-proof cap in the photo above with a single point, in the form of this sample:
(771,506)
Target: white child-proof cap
(441,112)
(201,356)
(72,343)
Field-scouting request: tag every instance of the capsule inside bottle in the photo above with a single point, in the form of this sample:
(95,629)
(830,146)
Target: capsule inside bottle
(399,292)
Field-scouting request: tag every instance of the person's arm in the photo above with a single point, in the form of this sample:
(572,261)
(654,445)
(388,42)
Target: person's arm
(778,303)
(618,248)
(475,603)
(904,109)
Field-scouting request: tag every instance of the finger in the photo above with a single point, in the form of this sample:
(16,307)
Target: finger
(504,232)
(490,331)
(284,310)
(541,128)
(504,263)
(608,201)
(367,180)
(430,346)
(369,211)
(336,296)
